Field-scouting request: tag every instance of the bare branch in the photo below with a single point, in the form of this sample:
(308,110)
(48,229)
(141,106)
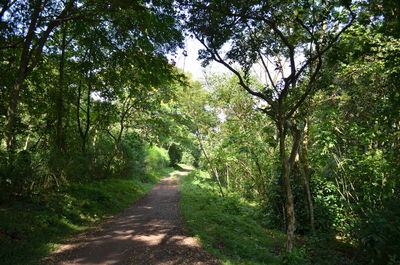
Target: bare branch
(308,91)
(7,5)
(215,55)
(268,72)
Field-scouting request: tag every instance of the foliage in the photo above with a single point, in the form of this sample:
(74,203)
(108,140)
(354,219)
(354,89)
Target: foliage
(157,158)
(354,141)
(380,234)
(289,42)
(337,153)
(297,256)
(86,84)
(175,153)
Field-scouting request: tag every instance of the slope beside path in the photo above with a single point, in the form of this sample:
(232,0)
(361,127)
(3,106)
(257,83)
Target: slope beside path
(149,232)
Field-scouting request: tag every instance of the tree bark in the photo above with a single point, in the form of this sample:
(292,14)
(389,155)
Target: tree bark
(60,133)
(21,75)
(289,202)
(84,132)
(287,164)
(303,166)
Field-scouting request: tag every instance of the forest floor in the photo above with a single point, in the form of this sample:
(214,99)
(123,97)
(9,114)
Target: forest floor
(149,232)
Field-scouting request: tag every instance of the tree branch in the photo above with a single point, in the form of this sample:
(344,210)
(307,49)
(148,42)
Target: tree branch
(216,57)
(308,89)
(6,6)
(268,72)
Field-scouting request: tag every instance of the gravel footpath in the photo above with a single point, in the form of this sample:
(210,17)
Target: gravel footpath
(149,232)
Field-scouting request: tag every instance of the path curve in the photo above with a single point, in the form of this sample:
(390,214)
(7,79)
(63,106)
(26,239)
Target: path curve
(149,232)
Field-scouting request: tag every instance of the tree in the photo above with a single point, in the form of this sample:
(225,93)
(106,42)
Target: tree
(289,40)
(200,119)
(37,30)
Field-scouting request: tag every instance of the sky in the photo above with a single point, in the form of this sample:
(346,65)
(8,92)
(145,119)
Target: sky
(190,64)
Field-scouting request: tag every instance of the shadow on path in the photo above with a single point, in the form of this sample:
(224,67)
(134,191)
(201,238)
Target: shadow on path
(149,232)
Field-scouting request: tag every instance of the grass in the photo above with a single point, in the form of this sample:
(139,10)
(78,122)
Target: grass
(30,229)
(227,227)
(230,229)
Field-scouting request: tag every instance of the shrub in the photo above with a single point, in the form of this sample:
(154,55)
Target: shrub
(380,234)
(175,153)
(156,158)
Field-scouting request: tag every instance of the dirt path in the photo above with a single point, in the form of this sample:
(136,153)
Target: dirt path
(149,232)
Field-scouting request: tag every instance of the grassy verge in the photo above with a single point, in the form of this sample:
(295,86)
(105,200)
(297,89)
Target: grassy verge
(31,229)
(227,227)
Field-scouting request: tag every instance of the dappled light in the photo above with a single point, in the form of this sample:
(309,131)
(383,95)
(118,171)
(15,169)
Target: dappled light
(148,233)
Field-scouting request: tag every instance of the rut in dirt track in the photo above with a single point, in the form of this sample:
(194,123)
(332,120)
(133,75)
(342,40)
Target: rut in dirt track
(150,232)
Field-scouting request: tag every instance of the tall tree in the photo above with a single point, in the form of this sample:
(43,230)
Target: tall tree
(289,39)
(30,40)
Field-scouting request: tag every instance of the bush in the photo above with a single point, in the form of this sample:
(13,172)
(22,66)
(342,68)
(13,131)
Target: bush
(156,158)
(380,234)
(188,159)
(296,257)
(175,153)
(131,157)
(16,177)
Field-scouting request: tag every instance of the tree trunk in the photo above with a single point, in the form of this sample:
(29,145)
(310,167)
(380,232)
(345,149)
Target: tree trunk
(227,175)
(30,57)
(60,133)
(84,132)
(116,143)
(213,169)
(287,164)
(12,110)
(12,117)
(27,142)
(303,165)
(289,201)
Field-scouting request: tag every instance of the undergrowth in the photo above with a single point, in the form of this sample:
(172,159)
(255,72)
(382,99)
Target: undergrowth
(232,229)
(31,228)
(227,226)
